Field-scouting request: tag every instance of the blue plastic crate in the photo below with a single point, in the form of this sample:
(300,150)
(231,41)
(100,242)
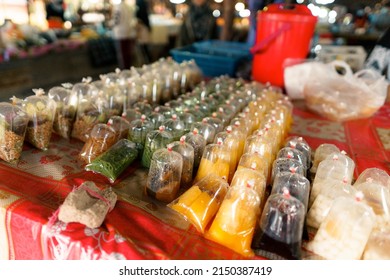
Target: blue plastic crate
(226,48)
(212,65)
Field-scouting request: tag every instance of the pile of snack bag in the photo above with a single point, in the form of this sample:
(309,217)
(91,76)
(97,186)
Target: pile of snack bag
(217,152)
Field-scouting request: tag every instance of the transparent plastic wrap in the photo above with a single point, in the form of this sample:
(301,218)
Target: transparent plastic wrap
(299,143)
(143,107)
(121,127)
(166,111)
(234,223)
(156,119)
(292,153)
(216,160)
(101,139)
(378,246)
(131,115)
(175,126)
(91,110)
(297,185)
(115,160)
(245,175)
(256,162)
(216,122)
(41,112)
(344,97)
(377,197)
(187,153)
(323,202)
(280,227)
(374,175)
(206,130)
(344,233)
(13,125)
(155,139)
(338,167)
(138,130)
(286,165)
(201,201)
(259,144)
(198,142)
(66,101)
(232,143)
(164,175)
(188,120)
(321,153)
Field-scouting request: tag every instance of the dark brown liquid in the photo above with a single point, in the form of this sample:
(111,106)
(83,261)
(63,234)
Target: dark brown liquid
(262,241)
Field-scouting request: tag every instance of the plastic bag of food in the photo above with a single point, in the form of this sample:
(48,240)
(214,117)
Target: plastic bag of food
(13,125)
(164,176)
(280,227)
(198,142)
(234,223)
(102,137)
(121,127)
(344,97)
(187,152)
(41,111)
(200,203)
(345,231)
(138,130)
(115,160)
(66,109)
(91,110)
(216,160)
(155,139)
(322,152)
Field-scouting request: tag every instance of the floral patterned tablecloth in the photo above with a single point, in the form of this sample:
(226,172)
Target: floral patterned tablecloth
(140,227)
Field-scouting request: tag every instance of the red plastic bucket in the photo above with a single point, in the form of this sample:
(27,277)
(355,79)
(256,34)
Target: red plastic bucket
(283,31)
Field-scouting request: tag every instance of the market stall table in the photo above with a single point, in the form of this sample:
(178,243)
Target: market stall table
(140,227)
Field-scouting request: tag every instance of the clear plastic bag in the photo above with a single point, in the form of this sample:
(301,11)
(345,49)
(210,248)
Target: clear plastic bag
(200,203)
(13,125)
(115,160)
(344,97)
(41,111)
(234,223)
(66,100)
(164,176)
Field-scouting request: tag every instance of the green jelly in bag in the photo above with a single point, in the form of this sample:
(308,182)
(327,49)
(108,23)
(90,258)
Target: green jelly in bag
(115,160)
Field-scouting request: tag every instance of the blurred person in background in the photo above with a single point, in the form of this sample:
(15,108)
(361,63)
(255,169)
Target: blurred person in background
(124,32)
(199,23)
(143,28)
(55,10)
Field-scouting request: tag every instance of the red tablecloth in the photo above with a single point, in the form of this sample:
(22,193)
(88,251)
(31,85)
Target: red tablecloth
(140,227)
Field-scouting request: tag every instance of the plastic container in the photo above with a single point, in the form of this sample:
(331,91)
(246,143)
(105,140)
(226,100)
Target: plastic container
(280,227)
(13,125)
(278,27)
(164,176)
(41,112)
(200,203)
(102,137)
